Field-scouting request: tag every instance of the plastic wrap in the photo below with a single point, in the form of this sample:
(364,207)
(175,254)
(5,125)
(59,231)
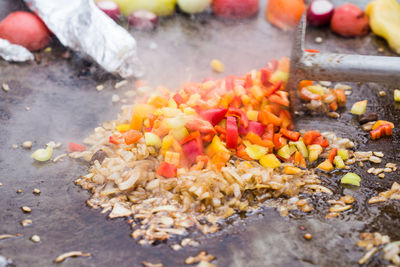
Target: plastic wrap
(12,52)
(81,26)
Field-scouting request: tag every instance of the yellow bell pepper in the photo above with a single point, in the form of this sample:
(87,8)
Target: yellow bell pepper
(270,161)
(384,20)
(216,146)
(123,127)
(140,111)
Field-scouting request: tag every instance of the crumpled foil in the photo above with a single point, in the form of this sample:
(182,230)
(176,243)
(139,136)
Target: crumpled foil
(13,52)
(81,26)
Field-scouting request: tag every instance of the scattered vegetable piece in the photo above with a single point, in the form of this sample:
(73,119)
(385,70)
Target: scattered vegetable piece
(382,122)
(73,147)
(159,7)
(349,20)
(339,163)
(396,95)
(351,178)
(132,136)
(383,130)
(63,256)
(319,12)
(43,154)
(343,153)
(167,170)
(217,65)
(255,151)
(359,108)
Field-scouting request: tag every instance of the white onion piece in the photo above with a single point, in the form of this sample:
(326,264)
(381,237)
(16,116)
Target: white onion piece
(143,19)
(319,12)
(110,8)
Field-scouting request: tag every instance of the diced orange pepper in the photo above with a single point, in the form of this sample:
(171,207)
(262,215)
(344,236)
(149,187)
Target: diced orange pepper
(382,122)
(293,136)
(190,137)
(278,100)
(284,64)
(257,92)
(333,106)
(340,97)
(267,117)
(299,160)
(273,88)
(158,101)
(382,130)
(291,170)
(255,139)
(305,83)
(279,141)
(241,153)
(132,136)
(286,119)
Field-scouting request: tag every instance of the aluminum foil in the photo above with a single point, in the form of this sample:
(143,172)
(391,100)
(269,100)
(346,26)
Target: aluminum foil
(13,52)
(81,26)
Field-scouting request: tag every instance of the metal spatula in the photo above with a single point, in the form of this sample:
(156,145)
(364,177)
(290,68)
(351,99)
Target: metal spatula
(337,67)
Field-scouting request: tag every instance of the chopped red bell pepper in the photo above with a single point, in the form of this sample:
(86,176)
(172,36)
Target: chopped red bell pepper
(190,137)
(249,81)
(332,154)
(192,149)
(232,133)
(115,140)
(383,130)
(320,141)
(229,83)
(309,137)
(132,136)
(273,88)
(333,106)
(242,131)
(269,132)
(241,153)
(279,141)
(73,147)
(311,50)
(243,120)
(256,127)
(293,136)
(207,138)
(200,125)
(265,75)
(178,99)
(236,102)
(214,115)
(167,170)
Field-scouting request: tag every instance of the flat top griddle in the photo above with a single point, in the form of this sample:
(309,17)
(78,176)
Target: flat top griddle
(65,106)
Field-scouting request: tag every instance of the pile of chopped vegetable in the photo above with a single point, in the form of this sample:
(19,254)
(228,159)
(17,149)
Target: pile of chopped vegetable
(195,156)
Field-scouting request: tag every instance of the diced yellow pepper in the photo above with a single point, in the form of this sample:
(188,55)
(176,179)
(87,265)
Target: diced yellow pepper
(252,115)
(270,161)
(189,111)
(279,76)
(166,142)
(172,103)
(172,158)
(140,111)
(217,65)
(157,101)
(216,146)
(313,152)
(123,127)
(245,99)
(255,151)
(257,92)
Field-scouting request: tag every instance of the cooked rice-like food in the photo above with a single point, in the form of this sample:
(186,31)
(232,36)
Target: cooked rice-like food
(171,164)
